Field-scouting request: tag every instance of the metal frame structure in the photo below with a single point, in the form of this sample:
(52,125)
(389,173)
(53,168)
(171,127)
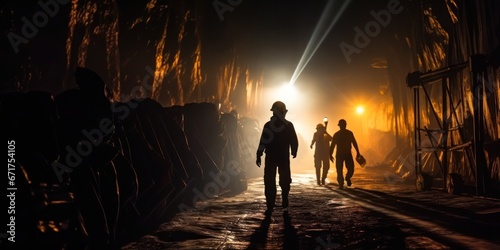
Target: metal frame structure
(443,146)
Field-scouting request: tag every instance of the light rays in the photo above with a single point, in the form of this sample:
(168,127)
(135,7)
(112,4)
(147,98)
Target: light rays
(328,19)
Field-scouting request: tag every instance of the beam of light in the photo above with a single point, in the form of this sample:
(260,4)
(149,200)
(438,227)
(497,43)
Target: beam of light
(319,34)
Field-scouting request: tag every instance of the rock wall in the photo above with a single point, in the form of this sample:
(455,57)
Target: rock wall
(91,172)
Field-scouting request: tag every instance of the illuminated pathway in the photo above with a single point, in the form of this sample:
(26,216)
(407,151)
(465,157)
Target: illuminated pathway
(371,214)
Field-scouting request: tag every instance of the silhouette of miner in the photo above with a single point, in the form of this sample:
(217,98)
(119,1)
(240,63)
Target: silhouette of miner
(343,140)
(277,139)
(322,140)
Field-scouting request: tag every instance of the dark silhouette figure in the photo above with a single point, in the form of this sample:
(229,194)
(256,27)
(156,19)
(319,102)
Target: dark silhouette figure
(277,139)
(322,140)
(343,139)
(94,177)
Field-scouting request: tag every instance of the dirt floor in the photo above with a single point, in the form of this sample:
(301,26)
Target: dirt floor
(374,213)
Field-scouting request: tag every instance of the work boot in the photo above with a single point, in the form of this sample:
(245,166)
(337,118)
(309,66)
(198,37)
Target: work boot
(348,182)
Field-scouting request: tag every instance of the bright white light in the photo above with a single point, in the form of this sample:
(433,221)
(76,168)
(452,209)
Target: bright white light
(288,89)
(360,110)
(287,93)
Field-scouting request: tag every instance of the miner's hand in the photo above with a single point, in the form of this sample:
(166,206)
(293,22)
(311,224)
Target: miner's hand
(258,161)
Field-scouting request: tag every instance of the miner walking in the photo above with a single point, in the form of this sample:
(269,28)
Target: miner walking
(322,140)
(278,140)
(343,139)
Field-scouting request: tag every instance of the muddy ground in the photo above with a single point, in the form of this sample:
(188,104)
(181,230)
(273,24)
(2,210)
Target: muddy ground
(374,213)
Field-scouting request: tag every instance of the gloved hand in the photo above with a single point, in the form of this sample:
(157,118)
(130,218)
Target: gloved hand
(258,161)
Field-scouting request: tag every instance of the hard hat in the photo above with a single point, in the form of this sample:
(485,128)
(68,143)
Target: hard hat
(279,106)
(342,122)
(320,126)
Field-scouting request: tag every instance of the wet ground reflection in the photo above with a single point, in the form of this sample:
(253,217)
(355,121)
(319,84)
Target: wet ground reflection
(324,217)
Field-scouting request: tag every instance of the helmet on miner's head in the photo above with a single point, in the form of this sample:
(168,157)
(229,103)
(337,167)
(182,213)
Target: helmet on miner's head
(320,126)
(279,106)
(342,122)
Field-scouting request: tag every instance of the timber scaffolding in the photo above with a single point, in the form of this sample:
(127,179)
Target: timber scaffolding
(455,135)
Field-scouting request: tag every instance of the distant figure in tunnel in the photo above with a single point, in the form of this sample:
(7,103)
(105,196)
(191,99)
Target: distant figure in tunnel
(343,139)
(277,140)
(321,156)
